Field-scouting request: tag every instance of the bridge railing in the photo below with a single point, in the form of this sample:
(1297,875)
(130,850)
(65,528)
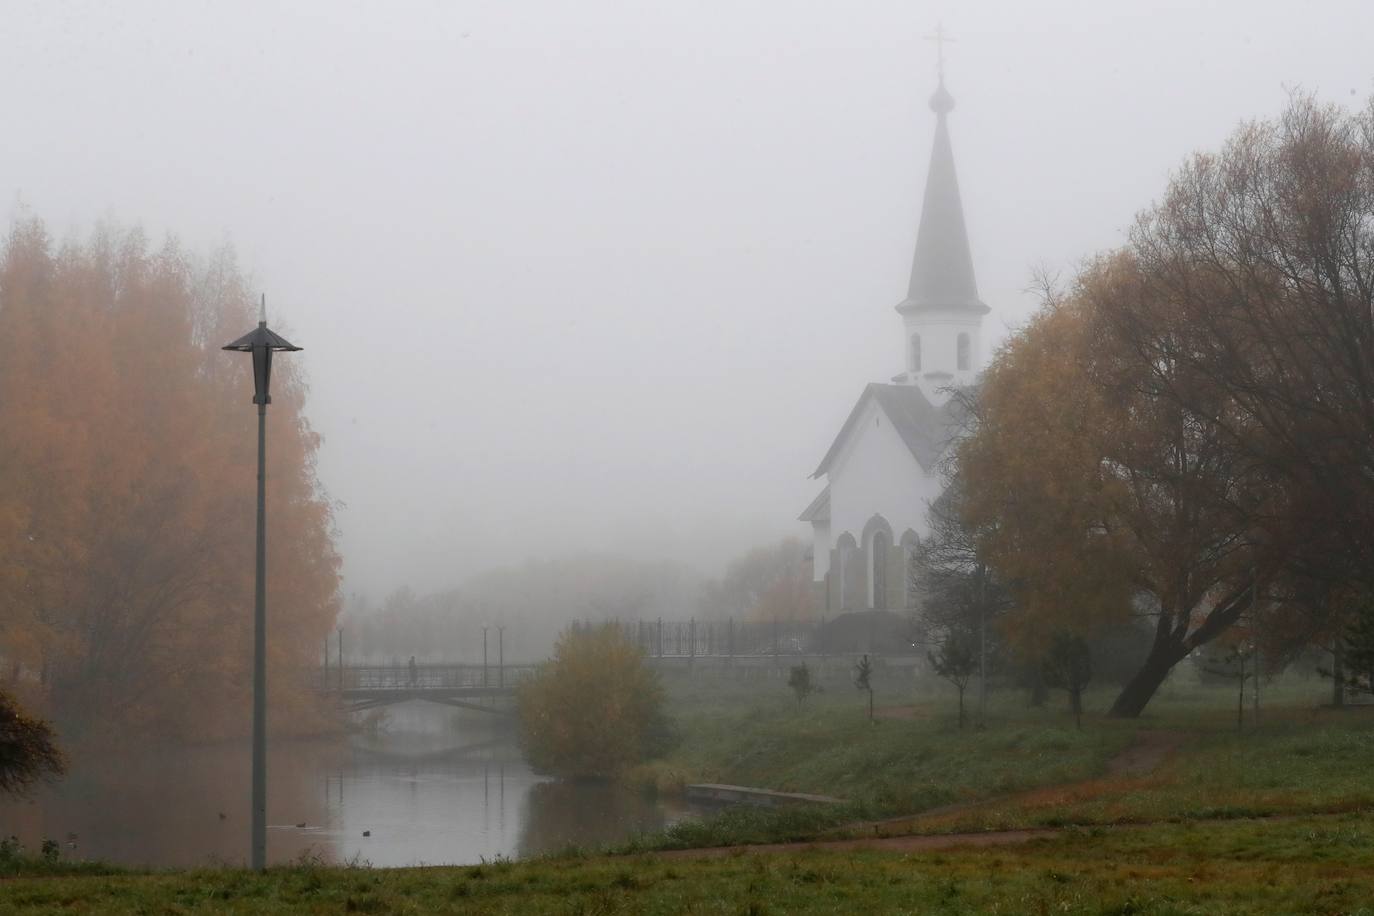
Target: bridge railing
(423,677)
(725,638)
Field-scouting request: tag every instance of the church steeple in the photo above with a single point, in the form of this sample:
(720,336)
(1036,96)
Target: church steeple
(942,314)
(942,269)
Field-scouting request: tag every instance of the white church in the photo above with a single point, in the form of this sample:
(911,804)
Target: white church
(882,472)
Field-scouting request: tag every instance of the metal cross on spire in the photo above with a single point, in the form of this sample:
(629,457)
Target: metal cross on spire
(939,36)
(262,309)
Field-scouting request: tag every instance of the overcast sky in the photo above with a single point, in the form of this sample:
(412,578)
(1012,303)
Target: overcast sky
(575,274)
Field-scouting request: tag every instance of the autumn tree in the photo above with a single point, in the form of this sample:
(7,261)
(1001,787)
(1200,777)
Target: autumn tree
(1254,289)
(1097,501)
(126,522)
(594,709)
(764,584)
(28,749)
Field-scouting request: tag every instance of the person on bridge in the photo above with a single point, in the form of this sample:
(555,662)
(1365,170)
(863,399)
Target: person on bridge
(413,679)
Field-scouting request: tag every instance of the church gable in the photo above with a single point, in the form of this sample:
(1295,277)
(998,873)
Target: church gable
(924,429)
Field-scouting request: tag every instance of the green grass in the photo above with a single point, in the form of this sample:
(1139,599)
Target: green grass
(1300,762)
(1306,865)
(1301,759)
(754,734)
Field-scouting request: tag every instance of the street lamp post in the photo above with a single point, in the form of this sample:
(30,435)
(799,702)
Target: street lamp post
(261,343)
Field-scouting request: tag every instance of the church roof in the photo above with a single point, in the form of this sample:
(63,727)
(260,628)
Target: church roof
(819,510)
(942,269)
(924,428)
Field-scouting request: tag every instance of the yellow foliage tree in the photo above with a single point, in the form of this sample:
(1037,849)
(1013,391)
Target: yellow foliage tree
(126,515)
(1094,498)
(594,709)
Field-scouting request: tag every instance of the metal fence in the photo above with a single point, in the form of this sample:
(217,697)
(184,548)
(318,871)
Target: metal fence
(718,638)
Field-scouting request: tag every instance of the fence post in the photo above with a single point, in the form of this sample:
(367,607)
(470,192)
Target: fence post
(691,643)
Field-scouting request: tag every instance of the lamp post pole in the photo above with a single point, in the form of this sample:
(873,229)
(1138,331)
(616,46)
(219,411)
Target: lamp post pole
(260,657)
(261,344)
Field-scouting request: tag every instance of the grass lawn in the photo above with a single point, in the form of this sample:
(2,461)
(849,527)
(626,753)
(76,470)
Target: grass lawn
(1296,761)
(1028,767)
(1301,865)
(755,734)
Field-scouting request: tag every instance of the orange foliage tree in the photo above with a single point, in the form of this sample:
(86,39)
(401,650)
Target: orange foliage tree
(126,492)
(1096,500)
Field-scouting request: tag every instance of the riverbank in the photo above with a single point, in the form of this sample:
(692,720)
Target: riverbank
(915,770)
(912,757)
(1193,816)
(1314,864)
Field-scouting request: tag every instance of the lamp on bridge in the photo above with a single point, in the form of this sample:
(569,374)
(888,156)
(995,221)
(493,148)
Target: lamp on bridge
(261,343)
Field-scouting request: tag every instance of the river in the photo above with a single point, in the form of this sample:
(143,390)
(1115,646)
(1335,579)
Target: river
(434,788)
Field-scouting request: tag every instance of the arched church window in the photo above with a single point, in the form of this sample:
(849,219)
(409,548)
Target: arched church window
(881,541)
(910,546)
(915,352)
(963,352)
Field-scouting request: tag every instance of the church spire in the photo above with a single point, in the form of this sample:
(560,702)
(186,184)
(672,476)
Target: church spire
(942,269)
(942,315)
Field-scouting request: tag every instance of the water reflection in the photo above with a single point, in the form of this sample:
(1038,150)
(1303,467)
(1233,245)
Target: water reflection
(434,789)
(558,815)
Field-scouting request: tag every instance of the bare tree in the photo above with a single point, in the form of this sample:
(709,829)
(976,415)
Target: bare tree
(1068,666)
(863,680)
(957,589)
(1257,293)
(956,661)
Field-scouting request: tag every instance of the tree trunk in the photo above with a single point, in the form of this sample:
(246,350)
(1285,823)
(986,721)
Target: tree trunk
(1338,673)
(1076,702)
(961,707)
(1136,695)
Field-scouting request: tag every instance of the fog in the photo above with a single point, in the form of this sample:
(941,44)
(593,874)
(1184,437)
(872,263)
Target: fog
(608,276)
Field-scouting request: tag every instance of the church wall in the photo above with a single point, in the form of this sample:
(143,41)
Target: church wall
(876,473)
(820,550)
(832,583)
(896,578)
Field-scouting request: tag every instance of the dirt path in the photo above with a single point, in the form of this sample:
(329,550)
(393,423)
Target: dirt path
(1150,749)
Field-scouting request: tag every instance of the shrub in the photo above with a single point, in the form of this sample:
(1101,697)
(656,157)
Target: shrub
(594,709)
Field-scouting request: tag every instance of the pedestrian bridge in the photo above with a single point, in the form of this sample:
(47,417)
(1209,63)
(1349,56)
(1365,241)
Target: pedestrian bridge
(477,687)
